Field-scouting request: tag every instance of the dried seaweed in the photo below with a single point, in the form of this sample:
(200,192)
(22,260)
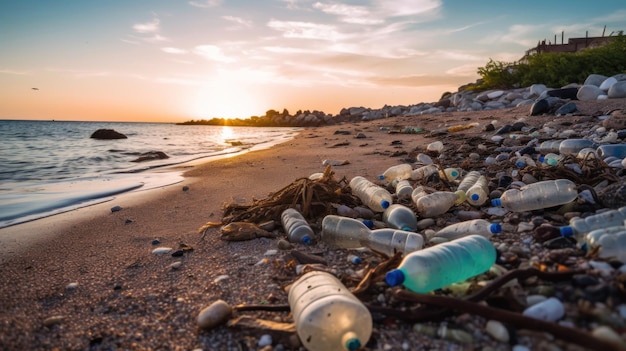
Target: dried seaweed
(314,199)
(593,171)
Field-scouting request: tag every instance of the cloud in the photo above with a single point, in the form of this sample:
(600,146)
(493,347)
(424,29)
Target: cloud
(349,13)
(175,51)
(81,73)
(399,8)
(614,17)
(149,27)
(15,72)
(524,35)
(464,28)
(238,20)
(212,53)
(414,80)
(466,70)
(205,4)
(306,30)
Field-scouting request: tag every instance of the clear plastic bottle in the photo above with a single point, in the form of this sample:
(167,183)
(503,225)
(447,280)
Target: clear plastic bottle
(400,217)
(478,193)
(431,205)
(327,315)
(524,161)
(593,237)
(549,146)
(578,227)
(403,189)
(535,196)
(551,159)
(444,264)
(616,150)
(424,172)
(466,183)
(449,173)
(401,171)
(372,195)
(612,245)
(474,226)
(573,146)
(350,233)
(296,227)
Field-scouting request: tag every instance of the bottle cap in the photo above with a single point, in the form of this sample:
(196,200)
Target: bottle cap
(407,229)
(394,277)
(306,240)
(566,231)
(520,164)
(381,177)
(368,223)
(384,204)
(496,202)
(495,228)
(454,173)
(353,344)
(541,158)
(475,197)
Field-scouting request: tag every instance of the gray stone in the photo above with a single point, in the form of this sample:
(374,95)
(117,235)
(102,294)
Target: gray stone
(570,107)
(595,79)
(537,89)
(620,76)
(618,90)
(608,83)
(588,93)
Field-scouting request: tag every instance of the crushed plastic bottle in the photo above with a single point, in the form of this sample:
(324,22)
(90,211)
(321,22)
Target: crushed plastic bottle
(535,196)
(372,195)
(434,204)
(350,233)
(475,226)
(401,171)
(578,227)
(400,217)
(403,189)
(444,264)
(424,172)
(327,315)
(296,227)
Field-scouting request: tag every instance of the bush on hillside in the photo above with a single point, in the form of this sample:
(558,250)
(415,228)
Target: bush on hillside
(555,69)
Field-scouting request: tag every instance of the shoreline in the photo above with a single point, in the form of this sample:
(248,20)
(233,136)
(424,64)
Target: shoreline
(125,297)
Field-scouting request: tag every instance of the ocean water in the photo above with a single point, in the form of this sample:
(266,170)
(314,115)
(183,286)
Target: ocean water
(49,167)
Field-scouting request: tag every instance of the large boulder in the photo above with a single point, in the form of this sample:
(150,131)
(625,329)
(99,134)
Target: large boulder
(107,134)
(589,93)
(618,90)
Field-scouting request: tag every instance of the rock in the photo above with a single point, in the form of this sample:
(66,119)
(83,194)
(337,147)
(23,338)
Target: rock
(565,93)
(595,79)
(151,156)
(265,340)
(569,107)
(214,315)
(608,83)
(116,208)
(176,265)
(550,310)
(54,320)
(497,330)
(539,107)
(618,90)
(537,89)
(589,93)
(161,250)
(107,134)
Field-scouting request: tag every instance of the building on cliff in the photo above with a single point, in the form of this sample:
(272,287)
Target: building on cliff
(573,44)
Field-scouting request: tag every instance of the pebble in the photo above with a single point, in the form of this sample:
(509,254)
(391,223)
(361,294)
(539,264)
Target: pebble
(284,244)
(71,286)
(497,330)
(176,265)
(53,320)
(550,310)
(116,208)
(265,340)
(214,315)
(220,278)
(161,250)
(607,334)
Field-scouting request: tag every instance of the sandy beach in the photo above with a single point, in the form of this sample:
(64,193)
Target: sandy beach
(127,298)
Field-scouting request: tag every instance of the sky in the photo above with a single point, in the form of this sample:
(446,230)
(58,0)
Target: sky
(177,60)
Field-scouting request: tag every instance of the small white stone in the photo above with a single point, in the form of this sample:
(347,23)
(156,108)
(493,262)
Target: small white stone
(265,340)
(607,334)
(220,278)
(525,226)
(550,310)
(161,250)
(497,330)
(271,252)
(520,348)
(176,265)
(406,346)
(214,315)
(72,286)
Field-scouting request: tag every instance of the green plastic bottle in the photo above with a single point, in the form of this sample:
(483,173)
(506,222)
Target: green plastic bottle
(444,264)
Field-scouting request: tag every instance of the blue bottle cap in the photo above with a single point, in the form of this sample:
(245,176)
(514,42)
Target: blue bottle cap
(381,177)
(368,223)
(520,164)
(353,344)
(475,197)
(495,228)
(407,229)
(384,204)
(394,277)
(496,202)
(355,259)
(566,231)
(454,173)
(306,240)
(542,158)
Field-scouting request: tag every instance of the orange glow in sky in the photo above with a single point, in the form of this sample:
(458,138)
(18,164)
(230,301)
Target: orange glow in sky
(172,61)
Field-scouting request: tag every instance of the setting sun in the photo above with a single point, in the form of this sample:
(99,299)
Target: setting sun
(224,99)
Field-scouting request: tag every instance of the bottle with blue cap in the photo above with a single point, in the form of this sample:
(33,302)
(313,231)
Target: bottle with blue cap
(535,196)
(441,265)
(327,315)
(372,195)
(579,227)
(400,217)
(401,171)
(475,226)
(296,227)
(592,238)
(432,204)
(478,193)
(470,179)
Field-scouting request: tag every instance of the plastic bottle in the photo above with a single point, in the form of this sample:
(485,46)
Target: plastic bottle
(402,171)
(551,159)
(612,245)
(592,238)
(449,173)
(466,183)
(400,217)
(431,205)
(549,146)
(616,150)
(478,193)
(403,189)
(444,264)
(578,227)
(350,233)
(296,227)
(573,146)
(424,172)
(326,314)
(524,161)
(373,196)
(436,146)
(547,193)
(475,226)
